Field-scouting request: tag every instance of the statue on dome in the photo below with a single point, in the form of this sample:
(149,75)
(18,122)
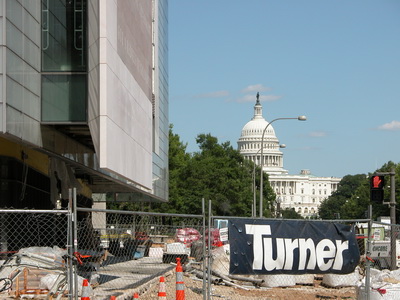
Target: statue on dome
(258,98)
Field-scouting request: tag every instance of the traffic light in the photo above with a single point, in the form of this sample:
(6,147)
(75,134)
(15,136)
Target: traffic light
(376,188)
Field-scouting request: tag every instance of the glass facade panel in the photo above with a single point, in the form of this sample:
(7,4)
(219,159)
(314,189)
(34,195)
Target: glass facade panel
(63,35)
(63,98)
(64,83)
(161,130)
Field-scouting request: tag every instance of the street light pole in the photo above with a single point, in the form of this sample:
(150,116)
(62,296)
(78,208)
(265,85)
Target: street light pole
(254,209)
(300,118)
(278,207)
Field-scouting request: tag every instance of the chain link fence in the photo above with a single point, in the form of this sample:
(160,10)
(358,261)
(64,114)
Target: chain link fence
(381,262)
(121,253)
(134,249)
(35,247)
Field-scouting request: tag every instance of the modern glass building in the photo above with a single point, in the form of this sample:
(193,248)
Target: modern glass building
(83,100)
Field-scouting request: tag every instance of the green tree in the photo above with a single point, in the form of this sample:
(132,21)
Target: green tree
(333,205)
(218,173)
(359,202)
(290,213)
(352,198)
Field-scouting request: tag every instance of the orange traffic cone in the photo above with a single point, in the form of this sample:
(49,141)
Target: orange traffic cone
(180,286)
(85,290)
(135,296)
(113,298)
(161,289)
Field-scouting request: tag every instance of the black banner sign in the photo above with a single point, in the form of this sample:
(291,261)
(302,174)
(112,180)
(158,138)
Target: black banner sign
(260,246)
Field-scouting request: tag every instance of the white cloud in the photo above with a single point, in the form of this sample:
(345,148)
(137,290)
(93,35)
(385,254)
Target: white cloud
(392,126)
(216,94)
(255,88)
(246,98)
(263,98)
(318,134)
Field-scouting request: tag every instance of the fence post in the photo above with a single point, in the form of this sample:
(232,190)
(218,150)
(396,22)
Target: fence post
(70,250)
(209,252)
(393,256)
(75,240)
(203,206)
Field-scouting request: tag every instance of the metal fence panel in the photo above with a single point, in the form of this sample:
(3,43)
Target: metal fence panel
(122,253)
(130,251)
(33,252)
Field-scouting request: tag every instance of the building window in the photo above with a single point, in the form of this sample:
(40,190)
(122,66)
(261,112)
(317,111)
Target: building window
(63,98)
(64,36)
(64,61)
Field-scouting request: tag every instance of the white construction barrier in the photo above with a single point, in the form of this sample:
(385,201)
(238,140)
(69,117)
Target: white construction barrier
(304,279)
(341,280)
(278,280)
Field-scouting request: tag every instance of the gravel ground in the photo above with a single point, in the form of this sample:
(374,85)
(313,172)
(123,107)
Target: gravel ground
(194,289)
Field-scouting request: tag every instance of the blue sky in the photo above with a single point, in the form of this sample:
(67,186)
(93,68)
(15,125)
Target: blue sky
(337,62)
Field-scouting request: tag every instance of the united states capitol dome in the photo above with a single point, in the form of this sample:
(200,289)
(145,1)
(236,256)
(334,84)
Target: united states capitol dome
(253,129)
(251,141)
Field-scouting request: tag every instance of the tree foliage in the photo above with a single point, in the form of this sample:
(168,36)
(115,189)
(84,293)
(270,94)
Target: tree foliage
(290,213)
(218,173)
(352,198)
(333,206)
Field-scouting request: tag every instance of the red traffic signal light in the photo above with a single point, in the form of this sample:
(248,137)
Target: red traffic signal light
(377,184)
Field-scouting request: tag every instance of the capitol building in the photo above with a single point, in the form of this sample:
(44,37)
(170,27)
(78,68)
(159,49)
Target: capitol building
(303,192)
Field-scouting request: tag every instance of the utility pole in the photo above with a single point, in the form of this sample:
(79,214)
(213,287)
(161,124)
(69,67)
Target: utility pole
(392,205)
